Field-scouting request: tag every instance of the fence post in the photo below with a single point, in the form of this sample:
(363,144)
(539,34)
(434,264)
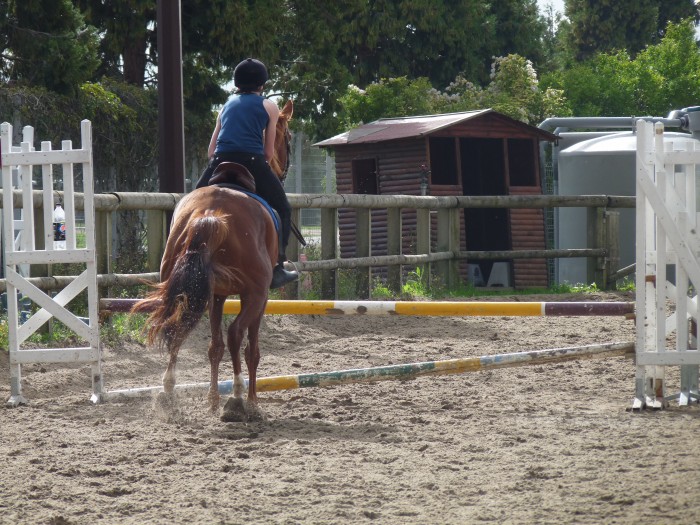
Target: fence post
(448,241)
(363,249)
(155,238)
(394,239)
(423,241)
(292,289)
(612,247)
(103,246)
(604,234)
(329,250)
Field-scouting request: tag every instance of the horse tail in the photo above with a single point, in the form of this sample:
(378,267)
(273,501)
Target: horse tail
(178,303)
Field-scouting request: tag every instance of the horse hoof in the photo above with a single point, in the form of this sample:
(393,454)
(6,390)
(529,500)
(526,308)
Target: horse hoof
(166,406)
(234,411)
(254,412)
(214,404)
(166,400)
(238,410)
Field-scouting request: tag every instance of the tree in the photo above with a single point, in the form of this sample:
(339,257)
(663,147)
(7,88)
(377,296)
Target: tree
(675,11)
(608,25)
(47,44)
(216,35)
(660,78)
(126,28)
(394,97)
(328,45)
(513,90)
(613,25)
(520,29)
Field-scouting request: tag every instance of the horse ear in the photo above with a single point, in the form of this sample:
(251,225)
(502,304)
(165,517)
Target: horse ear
(288,109)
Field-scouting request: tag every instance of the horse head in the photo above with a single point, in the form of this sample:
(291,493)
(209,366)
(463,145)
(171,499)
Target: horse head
(283,142)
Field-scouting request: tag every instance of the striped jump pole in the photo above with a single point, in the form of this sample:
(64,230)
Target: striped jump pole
(402,372)
(424,308)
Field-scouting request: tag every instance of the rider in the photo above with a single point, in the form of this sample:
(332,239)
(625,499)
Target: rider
(245,133)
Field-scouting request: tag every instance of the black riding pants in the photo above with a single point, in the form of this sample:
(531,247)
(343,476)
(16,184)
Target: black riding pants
(267,185)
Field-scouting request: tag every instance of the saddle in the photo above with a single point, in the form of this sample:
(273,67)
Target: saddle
(233,174)
(238,177)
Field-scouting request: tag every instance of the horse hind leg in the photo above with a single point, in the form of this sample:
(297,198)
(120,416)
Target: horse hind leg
(236,409)
(216,350)
(166,401)
(252,359)
(169,380)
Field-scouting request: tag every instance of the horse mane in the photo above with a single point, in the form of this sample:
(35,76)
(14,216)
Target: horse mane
(280,160)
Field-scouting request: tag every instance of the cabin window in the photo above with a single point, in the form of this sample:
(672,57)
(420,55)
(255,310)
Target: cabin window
(521,162)
(364,177)
(443,161)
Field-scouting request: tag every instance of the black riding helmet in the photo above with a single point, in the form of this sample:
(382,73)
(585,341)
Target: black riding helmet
(250,74)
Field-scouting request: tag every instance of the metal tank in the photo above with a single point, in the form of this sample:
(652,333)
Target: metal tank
(603,165)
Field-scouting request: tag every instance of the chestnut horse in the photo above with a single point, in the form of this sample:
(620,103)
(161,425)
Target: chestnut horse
(222,242)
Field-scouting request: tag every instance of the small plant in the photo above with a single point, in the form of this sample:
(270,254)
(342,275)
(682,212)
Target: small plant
(380,291)
(416,284)
(574,288)
(627,285)
(4,334)
(121,327)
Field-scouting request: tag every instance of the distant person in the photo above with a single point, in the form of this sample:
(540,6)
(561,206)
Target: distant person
(245,133)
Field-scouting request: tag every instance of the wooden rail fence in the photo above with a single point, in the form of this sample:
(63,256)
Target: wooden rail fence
(443,262)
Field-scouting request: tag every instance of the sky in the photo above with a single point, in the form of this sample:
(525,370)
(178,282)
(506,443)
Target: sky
(557,4)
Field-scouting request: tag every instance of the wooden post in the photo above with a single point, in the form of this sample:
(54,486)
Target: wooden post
(603,234)
(363,249)
(155,238)
(448,241)
(103,246)
(292,289)
(393,247)
(329,250)
(103,241)
(612,246)
(596,239)
(423,241)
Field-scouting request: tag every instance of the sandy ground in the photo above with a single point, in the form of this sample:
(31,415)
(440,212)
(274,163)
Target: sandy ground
(540,444)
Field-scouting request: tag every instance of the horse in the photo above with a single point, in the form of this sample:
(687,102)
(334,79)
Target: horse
(222,242)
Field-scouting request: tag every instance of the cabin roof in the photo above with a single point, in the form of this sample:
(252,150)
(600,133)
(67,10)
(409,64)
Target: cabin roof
(387,129)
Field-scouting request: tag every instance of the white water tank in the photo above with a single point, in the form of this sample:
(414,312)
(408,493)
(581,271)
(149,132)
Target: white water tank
(599,166)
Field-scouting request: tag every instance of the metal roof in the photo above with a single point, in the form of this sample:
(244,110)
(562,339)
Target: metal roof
(411,127)
(400,128)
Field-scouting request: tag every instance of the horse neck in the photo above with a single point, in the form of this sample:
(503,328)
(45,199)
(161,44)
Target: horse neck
(280,157)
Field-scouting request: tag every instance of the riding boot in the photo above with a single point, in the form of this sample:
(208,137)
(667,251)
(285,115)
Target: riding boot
(280,276)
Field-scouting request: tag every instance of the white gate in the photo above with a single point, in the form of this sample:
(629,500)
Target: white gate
(24,159)
(668,271)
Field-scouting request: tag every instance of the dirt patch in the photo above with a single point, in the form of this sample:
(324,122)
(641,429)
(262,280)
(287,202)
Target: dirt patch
(539,444)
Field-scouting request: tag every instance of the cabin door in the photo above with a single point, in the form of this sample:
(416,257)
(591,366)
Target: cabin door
(483,173)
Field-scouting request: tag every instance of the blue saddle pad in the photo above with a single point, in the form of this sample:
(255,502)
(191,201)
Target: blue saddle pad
(270,209)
